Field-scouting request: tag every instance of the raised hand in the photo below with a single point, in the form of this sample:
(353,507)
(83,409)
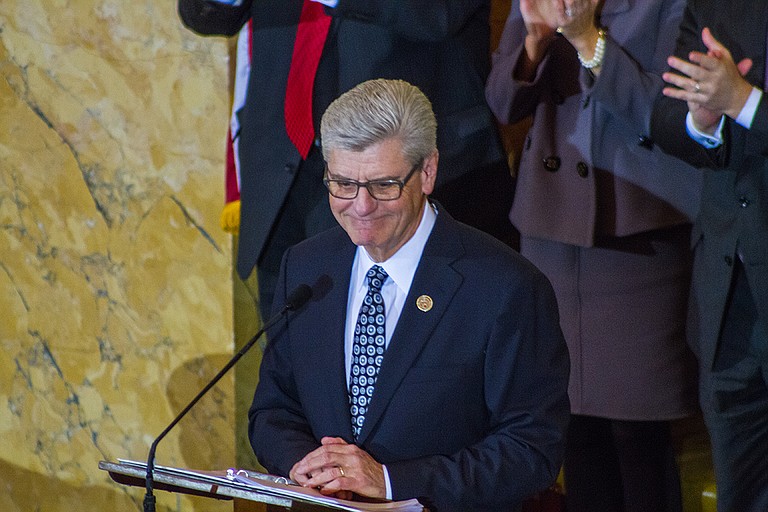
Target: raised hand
(712,83)
(540,24)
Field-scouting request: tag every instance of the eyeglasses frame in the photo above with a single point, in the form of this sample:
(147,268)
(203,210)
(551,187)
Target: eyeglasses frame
(367,184)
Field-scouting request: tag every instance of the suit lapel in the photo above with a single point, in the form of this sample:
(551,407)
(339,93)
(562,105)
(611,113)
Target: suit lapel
(752,39)
(435,278)
(742,29)
(327,329)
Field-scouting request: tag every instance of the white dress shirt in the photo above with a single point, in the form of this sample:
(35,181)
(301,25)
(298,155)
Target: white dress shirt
(401,268)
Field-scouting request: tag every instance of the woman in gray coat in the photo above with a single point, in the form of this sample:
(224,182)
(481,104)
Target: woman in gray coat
(606,216)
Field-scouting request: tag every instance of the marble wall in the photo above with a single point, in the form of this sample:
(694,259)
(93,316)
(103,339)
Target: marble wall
(115,278)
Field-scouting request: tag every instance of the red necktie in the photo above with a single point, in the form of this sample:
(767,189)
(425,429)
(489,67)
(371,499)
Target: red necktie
(310,39)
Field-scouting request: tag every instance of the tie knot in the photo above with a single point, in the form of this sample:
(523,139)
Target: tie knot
(376,277)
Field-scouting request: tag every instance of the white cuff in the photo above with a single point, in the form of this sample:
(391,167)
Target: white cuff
(387,483)
(705,139)
(748,111)
(329,3)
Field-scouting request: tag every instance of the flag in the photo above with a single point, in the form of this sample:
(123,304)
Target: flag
(230,215)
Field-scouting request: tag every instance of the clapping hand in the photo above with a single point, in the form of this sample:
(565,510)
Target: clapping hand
(711,83)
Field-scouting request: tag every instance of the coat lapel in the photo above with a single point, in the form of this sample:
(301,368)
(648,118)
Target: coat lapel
(327,331)
(435,278)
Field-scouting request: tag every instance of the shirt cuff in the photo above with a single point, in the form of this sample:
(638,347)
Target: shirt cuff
(705,139)
(329,3)
(387,483)
(748,111)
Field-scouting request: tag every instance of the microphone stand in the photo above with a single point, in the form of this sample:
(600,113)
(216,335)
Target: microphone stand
(296,299)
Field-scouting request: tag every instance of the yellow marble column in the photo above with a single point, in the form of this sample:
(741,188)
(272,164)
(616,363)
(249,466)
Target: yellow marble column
(115,278)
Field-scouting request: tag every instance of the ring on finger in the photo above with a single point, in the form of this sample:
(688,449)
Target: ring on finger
(569,12)
(696,87)
(341,470)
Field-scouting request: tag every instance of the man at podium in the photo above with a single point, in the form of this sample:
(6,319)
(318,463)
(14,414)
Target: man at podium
(429,362)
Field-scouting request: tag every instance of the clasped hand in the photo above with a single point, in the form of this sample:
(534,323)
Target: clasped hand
(338,468)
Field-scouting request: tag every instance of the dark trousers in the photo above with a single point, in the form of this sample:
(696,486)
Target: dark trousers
(734,400)
(620,466)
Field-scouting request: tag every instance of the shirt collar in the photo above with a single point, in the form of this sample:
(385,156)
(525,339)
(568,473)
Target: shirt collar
(402,265)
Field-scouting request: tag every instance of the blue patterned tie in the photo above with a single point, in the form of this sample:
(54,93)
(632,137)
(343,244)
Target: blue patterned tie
(367,348)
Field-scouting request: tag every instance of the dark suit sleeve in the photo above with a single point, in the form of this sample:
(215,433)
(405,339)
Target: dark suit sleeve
(417,20)
(279,432)
(526,377)
(757,136)
(212,18)
(668,116)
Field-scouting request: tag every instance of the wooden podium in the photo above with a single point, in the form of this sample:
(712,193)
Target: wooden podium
(249,490)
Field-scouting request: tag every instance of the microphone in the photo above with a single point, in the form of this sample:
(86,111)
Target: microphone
(296,299)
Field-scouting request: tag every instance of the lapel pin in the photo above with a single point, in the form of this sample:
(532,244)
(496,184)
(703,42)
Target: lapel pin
(424,303)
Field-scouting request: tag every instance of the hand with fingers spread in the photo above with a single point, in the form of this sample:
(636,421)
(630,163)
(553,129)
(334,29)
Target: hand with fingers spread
(712,83)
(338,468)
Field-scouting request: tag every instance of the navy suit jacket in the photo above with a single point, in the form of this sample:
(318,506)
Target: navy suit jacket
(734,203)
(470,406)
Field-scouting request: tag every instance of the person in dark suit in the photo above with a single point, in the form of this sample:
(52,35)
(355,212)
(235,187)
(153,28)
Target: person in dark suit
(606,215)
(442,47)
(715,115)
(466,406)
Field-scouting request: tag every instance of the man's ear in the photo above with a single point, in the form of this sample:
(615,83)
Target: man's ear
(429,173)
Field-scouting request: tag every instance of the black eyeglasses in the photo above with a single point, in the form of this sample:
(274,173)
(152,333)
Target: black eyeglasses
(381,190)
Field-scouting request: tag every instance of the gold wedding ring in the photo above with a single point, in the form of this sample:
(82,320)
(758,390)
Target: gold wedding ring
(341,470)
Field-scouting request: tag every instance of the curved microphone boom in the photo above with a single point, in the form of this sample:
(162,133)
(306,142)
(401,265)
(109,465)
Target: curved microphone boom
(296,299)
